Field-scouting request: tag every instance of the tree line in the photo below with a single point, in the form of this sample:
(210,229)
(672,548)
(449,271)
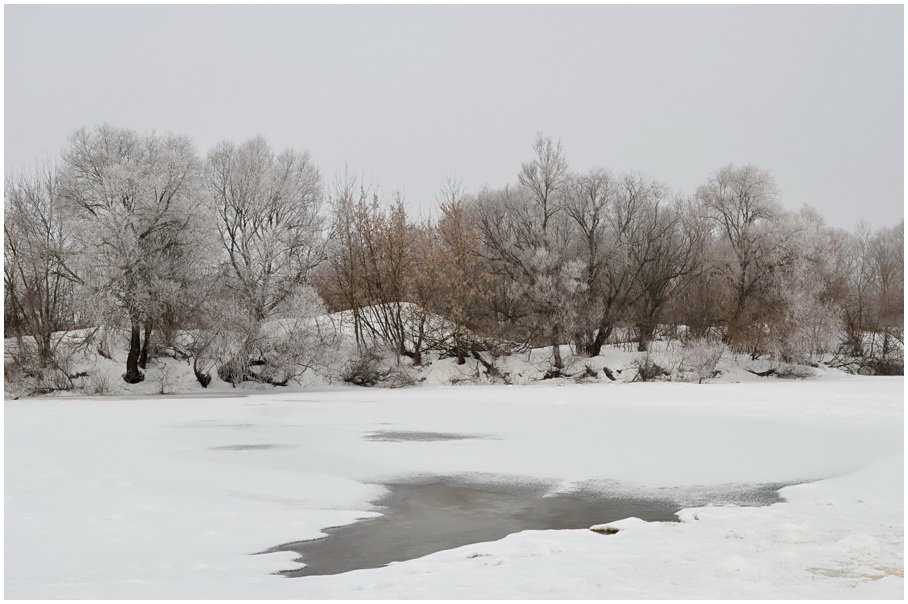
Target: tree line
(226,259)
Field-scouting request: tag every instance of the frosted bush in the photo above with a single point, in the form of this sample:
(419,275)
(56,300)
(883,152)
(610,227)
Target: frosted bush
(373,367)
(701,356)
(97,383)
(165,379)
(793,371)
(648,369)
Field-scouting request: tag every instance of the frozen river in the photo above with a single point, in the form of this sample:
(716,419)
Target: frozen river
(178,497)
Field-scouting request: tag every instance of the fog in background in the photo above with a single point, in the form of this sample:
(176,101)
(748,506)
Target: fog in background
(410,95)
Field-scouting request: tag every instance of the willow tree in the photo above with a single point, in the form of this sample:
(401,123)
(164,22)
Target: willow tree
(742,204)
(132,201)
(527,235)
(267,210)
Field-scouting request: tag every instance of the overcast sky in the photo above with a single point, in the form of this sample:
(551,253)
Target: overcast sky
(409,95)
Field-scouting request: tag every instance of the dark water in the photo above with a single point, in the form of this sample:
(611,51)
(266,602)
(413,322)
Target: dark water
(251,447)
(401,436)
(440,513)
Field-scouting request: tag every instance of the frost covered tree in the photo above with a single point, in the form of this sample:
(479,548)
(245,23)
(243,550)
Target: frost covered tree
(527,236)
(590,203)
(217,261)
(887,252)
(608,215)
(858,276)
(544,179)
(743,204)
(871,309)
(267,210)
(133,200)
(800,318)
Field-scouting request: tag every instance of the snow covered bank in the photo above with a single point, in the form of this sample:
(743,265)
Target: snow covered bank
(327,355)
(167,498)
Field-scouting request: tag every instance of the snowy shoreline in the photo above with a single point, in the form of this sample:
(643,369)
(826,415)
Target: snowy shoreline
(148,500)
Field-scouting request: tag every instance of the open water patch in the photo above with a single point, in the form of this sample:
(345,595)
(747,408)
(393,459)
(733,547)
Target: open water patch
(404,436)
(251,447)
(210,424)
(431,514)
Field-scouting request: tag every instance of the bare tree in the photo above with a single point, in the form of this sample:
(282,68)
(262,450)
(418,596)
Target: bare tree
(696,304)
(663,254)
(37,277)
(545,178)
(466,289)
(609,215)
(887,253)
(742,202)
(590,200)
(381,270)
(858,276)
(887,272)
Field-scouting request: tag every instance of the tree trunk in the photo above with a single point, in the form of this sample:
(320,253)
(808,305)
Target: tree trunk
(203,378)
(133,375)
(45,354)
(417,352)
(491,370)
(143,355)
(458,350)
(235,370)
(602,336)
(737,324)
(644,335)
(556,350)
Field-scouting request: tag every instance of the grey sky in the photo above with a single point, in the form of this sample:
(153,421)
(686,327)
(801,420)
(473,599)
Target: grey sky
(408,95)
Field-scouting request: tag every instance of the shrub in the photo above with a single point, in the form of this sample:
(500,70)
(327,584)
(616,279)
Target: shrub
(647,369)
(701,356)
(97,383)
(164,379)
(14,380)
(364,369)
(371,367)
(792,371)
(872,354)
(29,374)
(51,379)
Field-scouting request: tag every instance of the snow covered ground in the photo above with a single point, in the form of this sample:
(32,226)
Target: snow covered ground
(329,364)
(169,497)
